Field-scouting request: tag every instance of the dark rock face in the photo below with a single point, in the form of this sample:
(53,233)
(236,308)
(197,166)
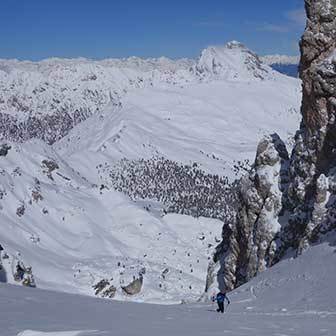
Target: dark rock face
(314,157)
(248,242)
(287,204)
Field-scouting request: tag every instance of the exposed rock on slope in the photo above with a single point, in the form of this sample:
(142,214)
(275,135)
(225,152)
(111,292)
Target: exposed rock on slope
(248,241)
(273,216)
(74,235)
(134,287)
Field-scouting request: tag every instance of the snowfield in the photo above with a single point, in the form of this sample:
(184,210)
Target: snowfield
(215,124)
(58,206)
(84,235)
(296,297)
(74,235)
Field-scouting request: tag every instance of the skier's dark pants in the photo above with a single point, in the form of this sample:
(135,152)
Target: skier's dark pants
(220,307)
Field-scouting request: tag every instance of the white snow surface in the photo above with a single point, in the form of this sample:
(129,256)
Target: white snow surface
(72,233)
(214,123)
(232,62)
(295,297)
(80,87)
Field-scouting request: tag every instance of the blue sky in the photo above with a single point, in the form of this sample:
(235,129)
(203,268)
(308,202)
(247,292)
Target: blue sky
(36,29)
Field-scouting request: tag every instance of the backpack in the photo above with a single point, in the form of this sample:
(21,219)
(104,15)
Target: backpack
(220,297)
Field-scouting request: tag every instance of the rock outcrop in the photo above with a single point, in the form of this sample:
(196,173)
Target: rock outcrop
(134,287)
(287,204)
(4,149)
(248,243)
(104,289)
(313,161)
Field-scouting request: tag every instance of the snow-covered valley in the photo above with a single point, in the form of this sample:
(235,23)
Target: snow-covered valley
(71,209)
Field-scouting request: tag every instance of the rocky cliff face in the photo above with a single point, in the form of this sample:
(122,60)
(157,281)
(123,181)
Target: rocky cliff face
(313,160)
(248,245)
(284,204)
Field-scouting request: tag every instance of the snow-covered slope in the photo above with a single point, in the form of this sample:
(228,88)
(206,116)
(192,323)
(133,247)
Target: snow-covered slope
(296,297)
(46,99)
(215,124)
(74,234)
(109,201)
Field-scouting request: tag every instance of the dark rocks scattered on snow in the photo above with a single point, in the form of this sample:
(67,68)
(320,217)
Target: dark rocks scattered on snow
(104,289)
(36,196)
(20,210)
(4,149)
(49,166)
(22,274)
(109,292)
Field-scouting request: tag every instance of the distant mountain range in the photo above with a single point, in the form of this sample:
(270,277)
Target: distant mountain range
(288,65)
(46,99)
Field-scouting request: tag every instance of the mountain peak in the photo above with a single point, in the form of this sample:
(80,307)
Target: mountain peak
(235,45)
(231,61)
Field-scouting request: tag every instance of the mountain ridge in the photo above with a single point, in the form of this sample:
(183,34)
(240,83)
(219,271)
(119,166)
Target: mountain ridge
(46,99)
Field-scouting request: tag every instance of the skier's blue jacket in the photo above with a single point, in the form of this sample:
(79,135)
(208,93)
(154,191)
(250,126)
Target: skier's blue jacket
(221,297)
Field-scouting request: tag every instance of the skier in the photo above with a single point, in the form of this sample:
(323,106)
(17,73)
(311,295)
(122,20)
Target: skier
(220,298)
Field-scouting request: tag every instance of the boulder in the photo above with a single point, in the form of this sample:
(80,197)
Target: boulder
(134,287)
